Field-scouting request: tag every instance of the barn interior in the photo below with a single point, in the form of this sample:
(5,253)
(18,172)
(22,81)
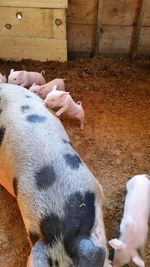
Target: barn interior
(102,49)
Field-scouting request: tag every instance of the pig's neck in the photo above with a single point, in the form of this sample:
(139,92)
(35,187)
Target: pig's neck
(71,104)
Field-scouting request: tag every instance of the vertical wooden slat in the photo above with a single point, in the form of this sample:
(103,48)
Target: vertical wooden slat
(98,27)
(59,24)
(137,24)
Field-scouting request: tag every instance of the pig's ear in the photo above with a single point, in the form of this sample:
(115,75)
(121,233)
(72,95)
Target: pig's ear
(138,261)
(116,244)
(54,87)
(40,89)
(11,71)
(63,95)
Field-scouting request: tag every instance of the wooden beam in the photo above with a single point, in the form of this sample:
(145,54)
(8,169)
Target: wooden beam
(35,3)
(98,27)
(137,24)
(42,49)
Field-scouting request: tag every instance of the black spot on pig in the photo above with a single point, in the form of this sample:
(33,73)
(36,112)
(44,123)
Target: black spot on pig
(79,218)
(36,118)
(66,142)
(50,262)
(2,134)
(72,160)
(51,228)
(45,177)
(1,110)
(33,238)
(28,96)
(25,107)
(15,186)
(56,263)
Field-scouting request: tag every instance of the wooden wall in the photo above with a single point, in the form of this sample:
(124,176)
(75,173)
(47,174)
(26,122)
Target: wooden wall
(39,33)
(108,27)
(92,27)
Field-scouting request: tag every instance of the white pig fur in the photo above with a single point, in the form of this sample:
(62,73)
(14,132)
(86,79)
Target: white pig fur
(59,198)
(134,224)
(25,78)
(64,101)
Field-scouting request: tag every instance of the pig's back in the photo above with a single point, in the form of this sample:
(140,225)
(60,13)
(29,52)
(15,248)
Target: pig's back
(36,150)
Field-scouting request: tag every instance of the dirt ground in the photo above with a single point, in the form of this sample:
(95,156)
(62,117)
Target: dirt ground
(115,142)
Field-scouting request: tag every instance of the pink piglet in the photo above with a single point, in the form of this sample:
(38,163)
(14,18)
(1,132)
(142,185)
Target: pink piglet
(134,224)
(65,103)
(44,89)
(3,78)
(26,78)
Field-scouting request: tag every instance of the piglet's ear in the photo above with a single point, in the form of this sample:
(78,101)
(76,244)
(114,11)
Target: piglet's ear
(116,244)
(54,87)
(63,95)
(11,71)
(138,261)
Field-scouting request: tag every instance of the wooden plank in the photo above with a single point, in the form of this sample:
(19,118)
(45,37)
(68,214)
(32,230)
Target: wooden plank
(43,22)
(120,12)
(81,38)
(33,48)
(146,18)
(136,28)
(144,43)
(34,23)
(35,3)
(98,27)
(93,3)
(59,24)
(82,12)
(115,40)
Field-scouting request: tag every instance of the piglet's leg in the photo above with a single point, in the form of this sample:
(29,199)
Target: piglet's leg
(61,110)
(81,124)
(23,84)
(138,260)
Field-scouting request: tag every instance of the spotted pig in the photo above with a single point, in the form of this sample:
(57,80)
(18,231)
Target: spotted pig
(59,198)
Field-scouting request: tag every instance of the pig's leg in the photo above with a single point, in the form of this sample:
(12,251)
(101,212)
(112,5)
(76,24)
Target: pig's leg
(137,259)
(80,117)
(89,254)
(98,233)
(38,256)
(61,110)
(81,124)
(23,84)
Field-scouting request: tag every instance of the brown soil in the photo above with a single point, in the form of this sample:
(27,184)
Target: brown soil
(114,143)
